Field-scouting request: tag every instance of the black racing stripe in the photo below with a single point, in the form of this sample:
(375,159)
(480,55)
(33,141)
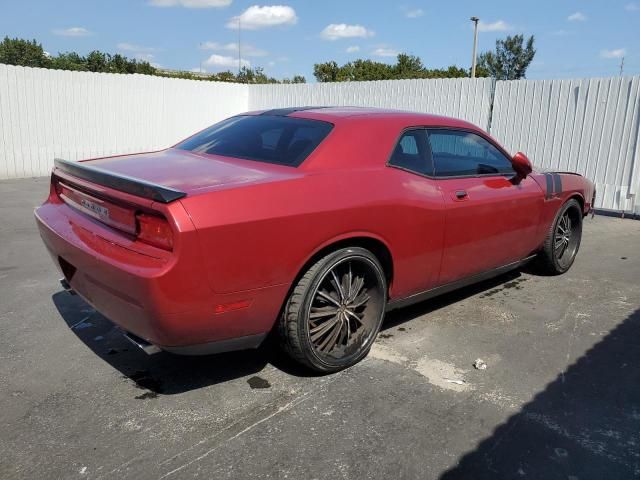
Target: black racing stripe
(557,183)
(549,180)
(283,112)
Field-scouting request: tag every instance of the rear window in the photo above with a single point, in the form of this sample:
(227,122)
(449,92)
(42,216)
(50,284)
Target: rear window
(263,138)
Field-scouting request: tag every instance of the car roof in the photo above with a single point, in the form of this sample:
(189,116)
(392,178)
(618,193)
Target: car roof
(338,114)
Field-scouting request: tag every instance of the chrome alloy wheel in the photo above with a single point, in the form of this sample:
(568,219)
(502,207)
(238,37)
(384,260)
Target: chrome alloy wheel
(346,309)
(565,244)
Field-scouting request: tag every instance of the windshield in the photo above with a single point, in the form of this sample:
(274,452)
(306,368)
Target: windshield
(263,138)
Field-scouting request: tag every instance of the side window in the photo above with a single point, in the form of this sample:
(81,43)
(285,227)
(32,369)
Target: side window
(412,152)
(458,153)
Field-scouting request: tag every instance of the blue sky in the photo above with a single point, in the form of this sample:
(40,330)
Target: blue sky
(574,38)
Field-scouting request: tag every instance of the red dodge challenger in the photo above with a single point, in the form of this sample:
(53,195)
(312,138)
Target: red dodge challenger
(312,221)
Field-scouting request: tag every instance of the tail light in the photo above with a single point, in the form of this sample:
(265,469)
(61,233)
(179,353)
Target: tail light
(154,231)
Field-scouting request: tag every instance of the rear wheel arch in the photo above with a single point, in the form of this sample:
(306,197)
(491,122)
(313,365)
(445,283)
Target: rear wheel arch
(374,244)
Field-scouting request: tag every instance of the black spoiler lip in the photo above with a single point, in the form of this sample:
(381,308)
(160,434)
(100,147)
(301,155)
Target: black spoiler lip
(122,183)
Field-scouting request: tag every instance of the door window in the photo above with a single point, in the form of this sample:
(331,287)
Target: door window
(458,153)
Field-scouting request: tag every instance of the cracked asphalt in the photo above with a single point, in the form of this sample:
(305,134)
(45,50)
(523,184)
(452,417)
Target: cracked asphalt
(560,398)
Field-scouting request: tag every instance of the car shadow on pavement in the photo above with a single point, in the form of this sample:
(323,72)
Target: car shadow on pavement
(163,373)
(488,287)
(583,425)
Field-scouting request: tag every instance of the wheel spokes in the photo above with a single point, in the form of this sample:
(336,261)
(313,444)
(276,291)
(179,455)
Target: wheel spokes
(329,298)
(330,340)
(319,331)
(321,312)
(358,283)
(338,286)
(339,308)
(562,238)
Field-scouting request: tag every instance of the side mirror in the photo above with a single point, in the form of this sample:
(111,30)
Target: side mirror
(521,165)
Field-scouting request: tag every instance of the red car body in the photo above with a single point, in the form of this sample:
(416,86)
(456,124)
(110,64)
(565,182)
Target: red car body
(241,232)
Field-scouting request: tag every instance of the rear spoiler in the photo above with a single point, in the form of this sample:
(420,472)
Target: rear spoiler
(123,183)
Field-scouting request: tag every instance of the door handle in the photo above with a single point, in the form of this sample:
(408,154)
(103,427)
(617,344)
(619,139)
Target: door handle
(461,194)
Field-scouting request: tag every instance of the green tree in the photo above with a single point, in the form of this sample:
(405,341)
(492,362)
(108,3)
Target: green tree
(97,61)
(406,66)
(31,54)
(326,72)
(510,59)
(68,61)
(16,51)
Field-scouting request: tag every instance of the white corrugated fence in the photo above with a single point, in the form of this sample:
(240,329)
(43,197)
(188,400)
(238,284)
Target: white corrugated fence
(74,115)
(457,97)
(591,126)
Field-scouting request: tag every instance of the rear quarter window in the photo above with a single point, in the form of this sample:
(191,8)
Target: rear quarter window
(262,138)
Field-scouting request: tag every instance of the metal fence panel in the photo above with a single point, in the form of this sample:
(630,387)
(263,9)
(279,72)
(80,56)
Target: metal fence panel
(590,126)
(75,115)
(461,97)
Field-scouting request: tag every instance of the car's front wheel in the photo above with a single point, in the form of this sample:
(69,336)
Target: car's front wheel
(563,239)
(334,312)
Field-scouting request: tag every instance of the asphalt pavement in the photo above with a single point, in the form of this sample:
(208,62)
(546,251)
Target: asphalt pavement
(559,399)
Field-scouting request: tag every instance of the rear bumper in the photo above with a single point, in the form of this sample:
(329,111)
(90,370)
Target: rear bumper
(164,299)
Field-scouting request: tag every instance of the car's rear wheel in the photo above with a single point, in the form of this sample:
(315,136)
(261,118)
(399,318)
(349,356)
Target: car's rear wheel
(334,312)
(563,239)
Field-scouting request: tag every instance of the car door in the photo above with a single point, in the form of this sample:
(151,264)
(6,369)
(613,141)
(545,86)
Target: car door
(490,220)
(420,214)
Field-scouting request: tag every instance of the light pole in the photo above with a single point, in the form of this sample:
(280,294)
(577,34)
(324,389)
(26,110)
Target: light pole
(475,45)
(239,46)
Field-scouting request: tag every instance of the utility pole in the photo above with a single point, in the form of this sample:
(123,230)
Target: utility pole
(239,47)
(475,45)
(621,66)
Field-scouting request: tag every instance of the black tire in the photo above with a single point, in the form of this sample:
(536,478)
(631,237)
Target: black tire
(330,334)
(563,239)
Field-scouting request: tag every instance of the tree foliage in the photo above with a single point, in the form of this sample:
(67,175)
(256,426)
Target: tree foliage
(406,66)
(16,51)
(510,59)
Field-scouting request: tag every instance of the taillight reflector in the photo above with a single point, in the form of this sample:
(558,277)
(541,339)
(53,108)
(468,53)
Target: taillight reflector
(154,231)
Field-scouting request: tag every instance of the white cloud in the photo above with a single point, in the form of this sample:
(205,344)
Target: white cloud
(247,50)
(138,51)
(384,52)
(190,3)
(415,13)
(335,31)
(145,57)
(130,47)
(72,32)
(353,49)
(497,26)
(577,17)
(632,7)
(224,62)
(615,53)
(256,17)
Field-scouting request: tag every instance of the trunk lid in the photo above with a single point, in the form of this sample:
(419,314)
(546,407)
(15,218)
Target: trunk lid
(189,172)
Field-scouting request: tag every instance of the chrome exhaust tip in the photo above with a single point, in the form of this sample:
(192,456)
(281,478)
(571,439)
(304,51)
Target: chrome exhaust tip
(66,286)
(142,344)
